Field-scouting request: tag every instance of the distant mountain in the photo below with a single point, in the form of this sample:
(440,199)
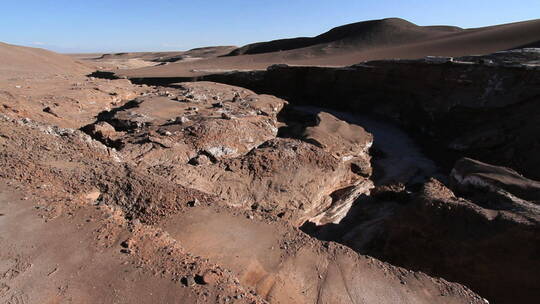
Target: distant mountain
(197,53)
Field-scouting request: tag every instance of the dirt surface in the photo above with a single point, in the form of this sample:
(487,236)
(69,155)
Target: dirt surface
(70,101)
(72,258)
(286,267)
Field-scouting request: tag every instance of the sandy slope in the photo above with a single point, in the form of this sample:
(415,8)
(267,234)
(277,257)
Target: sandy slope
(351,49)
(47,86)
(18,60)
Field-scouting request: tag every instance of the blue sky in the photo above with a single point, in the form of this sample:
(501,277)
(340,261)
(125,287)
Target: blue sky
(136,25)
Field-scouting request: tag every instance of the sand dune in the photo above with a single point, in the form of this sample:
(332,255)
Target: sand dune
(383,39)
(366,34)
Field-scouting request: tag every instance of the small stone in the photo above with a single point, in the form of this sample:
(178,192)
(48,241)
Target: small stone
(181,120)
(50,111)
(165,132)
(217,105)
(102,129)
(226,116)
(262,113)
(188,281)
(93,195)
(200,160)
(193,203)
(210,277)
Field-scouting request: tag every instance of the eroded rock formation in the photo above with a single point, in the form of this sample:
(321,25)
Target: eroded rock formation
(222,140)
(481,107)
(482,231)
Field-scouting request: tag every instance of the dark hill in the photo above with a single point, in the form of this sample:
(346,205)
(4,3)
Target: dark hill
(366,34)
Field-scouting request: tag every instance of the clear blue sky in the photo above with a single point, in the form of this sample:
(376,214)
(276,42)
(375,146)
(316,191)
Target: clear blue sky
(137,25)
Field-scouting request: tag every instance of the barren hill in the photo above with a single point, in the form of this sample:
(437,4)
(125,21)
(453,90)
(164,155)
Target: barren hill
(20,59)
(366,34)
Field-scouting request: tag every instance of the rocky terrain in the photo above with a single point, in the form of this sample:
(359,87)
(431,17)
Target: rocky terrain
(290,184)
(479,107)
(161,212)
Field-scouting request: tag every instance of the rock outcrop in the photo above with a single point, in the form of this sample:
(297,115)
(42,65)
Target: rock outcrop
(223,140)
(471,176)
(483,231)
